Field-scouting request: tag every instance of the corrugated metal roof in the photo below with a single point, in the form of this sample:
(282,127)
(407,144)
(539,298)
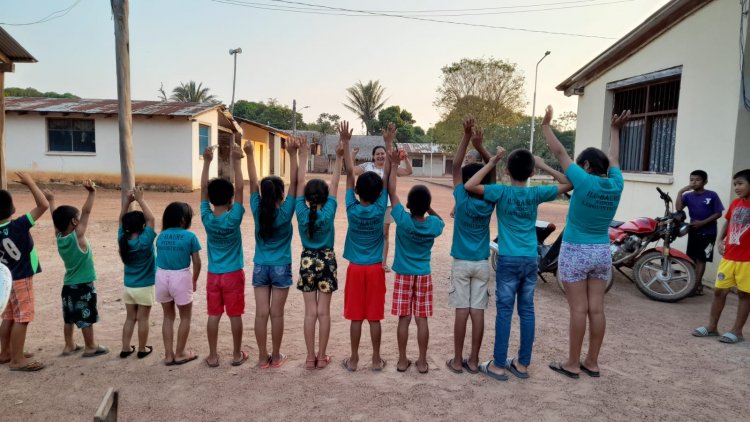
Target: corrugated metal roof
(92,106)
(13,50)
(267,128)
(366,143)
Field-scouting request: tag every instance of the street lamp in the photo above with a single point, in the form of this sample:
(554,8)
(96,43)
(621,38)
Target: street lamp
(533,106)
(234,52)
(294,116)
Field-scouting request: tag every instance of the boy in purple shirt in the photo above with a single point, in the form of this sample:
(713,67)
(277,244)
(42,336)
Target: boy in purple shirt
(704,207)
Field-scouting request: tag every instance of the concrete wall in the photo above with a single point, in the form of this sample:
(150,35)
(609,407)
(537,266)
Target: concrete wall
(435,168)
(707,118)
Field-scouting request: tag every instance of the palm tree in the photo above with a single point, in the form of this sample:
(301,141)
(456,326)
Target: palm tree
(365,101)
(190,93)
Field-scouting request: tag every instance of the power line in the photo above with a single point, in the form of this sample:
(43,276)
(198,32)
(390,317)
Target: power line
(52,16)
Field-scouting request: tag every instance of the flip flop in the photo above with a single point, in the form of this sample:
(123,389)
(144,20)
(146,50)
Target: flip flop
(145,353)
(589,372)
(466,366)
(427,366)
(100,350)
(170,363)
(280,362)
(212,365)
(703,332)
(345,364)
(243,359)
(29,367)
(123,355)
(190,358)
(326,359)
(313,361)
(382,365)
(408,364)
(267,364)
(730,338)
(511,366)
(557,367)
(449,364)
(485,369)
(76,349)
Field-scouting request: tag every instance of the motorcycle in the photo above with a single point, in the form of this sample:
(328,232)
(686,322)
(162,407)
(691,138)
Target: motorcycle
(661,273)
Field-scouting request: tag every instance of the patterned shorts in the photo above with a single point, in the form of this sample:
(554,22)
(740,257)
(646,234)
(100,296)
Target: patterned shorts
(580,262)
(318,271)
(412,295)
(79,304)
(20,306)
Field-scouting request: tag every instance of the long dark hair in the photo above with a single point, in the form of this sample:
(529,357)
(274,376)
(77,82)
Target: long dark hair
(132,222)
(271,192)
(177,214)
(375,150)
(316,193)
(598,161)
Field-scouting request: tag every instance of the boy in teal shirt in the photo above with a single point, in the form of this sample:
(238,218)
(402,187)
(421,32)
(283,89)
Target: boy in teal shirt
(517,259)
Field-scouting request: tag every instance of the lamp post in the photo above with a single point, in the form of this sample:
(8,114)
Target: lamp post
(234,52)
(533,106)
(294,116)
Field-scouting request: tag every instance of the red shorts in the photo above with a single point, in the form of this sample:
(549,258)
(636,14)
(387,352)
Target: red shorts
(412,295)
(20,306)
(226,291)
(364,292)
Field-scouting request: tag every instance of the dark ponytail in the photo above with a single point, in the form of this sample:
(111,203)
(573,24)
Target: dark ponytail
(132,222)
(271,192)
(316,193)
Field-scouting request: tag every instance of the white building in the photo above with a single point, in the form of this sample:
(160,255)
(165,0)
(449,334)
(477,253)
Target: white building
(75,139)
(680,73)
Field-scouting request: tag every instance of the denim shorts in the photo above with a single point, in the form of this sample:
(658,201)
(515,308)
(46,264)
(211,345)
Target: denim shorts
(278,276)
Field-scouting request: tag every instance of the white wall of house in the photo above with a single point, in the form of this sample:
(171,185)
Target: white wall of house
(707,117)
(430,167)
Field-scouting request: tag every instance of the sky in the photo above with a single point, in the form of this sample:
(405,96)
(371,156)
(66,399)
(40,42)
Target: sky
(312,57)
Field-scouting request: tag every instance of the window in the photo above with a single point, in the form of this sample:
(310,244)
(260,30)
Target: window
(417,162)
(647,141)
(204,139)
(71,135)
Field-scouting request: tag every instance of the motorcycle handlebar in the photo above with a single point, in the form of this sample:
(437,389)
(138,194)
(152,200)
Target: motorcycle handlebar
(664,196)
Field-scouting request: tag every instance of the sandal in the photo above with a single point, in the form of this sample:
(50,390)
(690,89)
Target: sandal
(485,369)
(730,338)
(449,364)
(212,365)
(190,358)
(408,364)
(426,370)
(382,365)
(100,350)
(703,332)
(511,366)
(145,353)
(280,362)
(345,364)
(311,363)
(267,364)
(557,367)
(466,366)
(326,359)
(243,358)
(30,367)
(123,355)
(76,349)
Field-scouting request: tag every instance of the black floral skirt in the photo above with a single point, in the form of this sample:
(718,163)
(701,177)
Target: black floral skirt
(317,271)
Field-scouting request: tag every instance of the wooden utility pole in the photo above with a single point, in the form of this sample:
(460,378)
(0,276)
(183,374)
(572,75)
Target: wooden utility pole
(125,117)
(3,176)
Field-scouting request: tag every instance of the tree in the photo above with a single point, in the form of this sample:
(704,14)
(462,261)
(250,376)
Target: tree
(403,120)
(365,100)
(566,121)
(192,93)
(326,123)
(32,92)
(268,113)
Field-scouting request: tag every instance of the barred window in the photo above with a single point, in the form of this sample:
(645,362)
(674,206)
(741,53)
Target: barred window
(417,162)
(71,135)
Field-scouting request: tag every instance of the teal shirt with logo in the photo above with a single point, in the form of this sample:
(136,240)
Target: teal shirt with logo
(323,233)
(175,247)
(223,238)
(471,226)
(276,250)
(414,240)
(592,206)
(364,236)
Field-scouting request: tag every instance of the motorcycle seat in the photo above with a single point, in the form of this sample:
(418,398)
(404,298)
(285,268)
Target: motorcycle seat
(615,224)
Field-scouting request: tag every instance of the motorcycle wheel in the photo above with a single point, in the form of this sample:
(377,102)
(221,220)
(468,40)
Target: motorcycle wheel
(670,288)
(561,285)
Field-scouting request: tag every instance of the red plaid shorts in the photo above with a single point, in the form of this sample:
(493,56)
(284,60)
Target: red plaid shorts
(412,295)
(20,306)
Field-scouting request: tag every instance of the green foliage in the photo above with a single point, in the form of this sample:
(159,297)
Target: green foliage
(365,100)
(32,92)
(269,113)
(326,123)
(403,120)
(192,93)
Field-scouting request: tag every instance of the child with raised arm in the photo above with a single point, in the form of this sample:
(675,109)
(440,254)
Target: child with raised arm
(136,243)
(364,292)
(78,291)
(517,257)
(272,263)
(18,253)
(318,277)
(585,262)
(470,271)
(416,231)
(176,248)
(225,281)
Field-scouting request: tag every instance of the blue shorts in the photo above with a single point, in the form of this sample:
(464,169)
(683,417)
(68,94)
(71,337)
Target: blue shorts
(278,276)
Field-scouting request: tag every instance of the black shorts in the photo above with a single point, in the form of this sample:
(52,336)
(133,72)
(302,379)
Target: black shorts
(317,271)
(701,247)
(79,304)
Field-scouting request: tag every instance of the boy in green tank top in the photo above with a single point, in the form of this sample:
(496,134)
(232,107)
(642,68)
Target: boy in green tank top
(78,291)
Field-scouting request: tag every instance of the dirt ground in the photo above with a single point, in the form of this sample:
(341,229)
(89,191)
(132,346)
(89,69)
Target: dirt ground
(652,368)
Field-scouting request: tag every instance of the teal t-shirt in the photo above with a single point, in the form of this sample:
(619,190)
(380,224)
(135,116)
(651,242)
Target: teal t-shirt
(141,270)
(223,238)
(471,226)
(592,206)
(364,236)
(516,216)
(175,247)
(414,240)
(277,250)
(324,231)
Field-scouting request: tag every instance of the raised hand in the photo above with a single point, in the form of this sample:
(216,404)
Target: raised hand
(24,178)
(355,151)
(538,161)
(619,121)
(469,123)
(236,152)
(477,136)
(292,145)
(48,194)
(208,154)
(89,185)
(395,156)
(248,148)
(138,193)
(340,149)
(345,134)
(390,133)
(500,152)
(547,116)
(304,147)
